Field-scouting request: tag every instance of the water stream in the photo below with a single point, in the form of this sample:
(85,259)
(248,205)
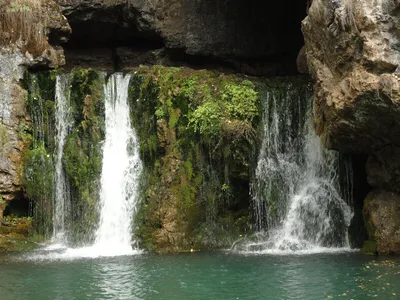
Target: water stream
(61,191)
(299,202)
(120,172)
(121,168)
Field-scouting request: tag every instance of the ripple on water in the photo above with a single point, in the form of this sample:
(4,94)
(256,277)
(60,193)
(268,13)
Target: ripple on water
(217,275)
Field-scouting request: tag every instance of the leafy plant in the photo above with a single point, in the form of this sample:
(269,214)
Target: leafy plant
(206,119)
(241,100)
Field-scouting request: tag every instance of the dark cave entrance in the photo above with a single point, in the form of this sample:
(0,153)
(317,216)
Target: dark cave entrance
(254,37)
(19,207)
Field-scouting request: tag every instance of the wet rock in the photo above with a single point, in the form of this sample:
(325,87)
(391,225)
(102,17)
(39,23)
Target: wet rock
(27,46)
(232,34)
(301,61)
(352,53)
(381,214)
(3,205)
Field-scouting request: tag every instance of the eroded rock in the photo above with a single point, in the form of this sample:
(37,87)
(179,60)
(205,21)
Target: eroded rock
(22,47)
(232,34)
(352,52)
(381,214)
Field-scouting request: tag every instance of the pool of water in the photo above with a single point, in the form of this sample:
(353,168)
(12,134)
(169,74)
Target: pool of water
(219,275)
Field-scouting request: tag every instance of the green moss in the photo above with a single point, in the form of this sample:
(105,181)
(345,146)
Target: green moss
(82,151)
(39,144)
(370,247)
(38,180)
(40,106)
(17,234)
(4,137)
(184,119)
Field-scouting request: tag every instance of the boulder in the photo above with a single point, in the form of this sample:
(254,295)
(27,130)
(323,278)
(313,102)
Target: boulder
(352,53)
(381,215)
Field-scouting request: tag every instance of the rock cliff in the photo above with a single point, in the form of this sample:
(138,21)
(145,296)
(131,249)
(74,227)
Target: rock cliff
(26,28)
(253,37)
(352,53)
(351,50)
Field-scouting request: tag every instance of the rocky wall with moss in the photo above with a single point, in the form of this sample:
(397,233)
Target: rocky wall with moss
(82,151)
(198,134)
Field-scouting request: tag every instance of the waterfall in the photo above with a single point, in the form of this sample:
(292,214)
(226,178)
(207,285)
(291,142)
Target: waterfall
(61,195)
(300,203)
(120,171)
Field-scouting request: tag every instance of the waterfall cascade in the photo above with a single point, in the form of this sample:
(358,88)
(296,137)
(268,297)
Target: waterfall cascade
(120,171)
(61,191)
(121,168)
(300,203)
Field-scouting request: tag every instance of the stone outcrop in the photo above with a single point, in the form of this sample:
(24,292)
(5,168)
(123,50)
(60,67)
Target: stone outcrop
(352,52)
(21,47)
(255,37)
(381,212)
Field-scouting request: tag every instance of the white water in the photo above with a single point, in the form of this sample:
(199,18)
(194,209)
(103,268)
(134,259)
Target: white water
(61,197)
(120,172)
(296,192)
(121,169)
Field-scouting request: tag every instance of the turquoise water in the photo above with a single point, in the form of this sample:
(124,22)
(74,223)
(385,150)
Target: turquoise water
(200,276)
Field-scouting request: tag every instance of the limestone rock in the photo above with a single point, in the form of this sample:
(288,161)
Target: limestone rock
(236,34)
(28,47)
(301,61)
(352,53)
(381,214)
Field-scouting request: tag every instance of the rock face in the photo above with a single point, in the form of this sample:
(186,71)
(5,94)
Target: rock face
(254,36)
(352,52)
(381,213)
(21,47)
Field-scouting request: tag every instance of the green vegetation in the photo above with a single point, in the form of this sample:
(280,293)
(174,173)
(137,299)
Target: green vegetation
(82,151)
(197,135)
(18,6)
(38,139)
(18,234)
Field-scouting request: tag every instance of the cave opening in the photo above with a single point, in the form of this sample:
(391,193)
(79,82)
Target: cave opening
(253,37)
(19,207)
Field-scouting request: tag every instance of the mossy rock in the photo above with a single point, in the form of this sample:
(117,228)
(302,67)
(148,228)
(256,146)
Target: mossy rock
(197,134)
(370,247)
(16,243)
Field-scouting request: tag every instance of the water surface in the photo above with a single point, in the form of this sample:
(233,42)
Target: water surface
(200,276)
